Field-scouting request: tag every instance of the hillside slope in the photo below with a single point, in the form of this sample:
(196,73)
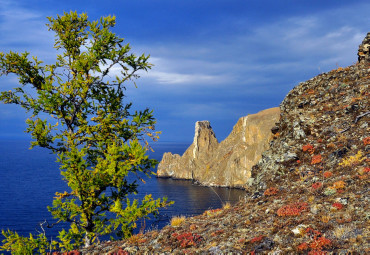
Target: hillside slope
(309,194)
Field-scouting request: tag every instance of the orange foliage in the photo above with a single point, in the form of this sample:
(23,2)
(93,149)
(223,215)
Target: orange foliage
(294,209)
(309,148)
(302,247)
(337,205)
(316,159)
(366,140)
(327,174)
(271,191)
(316,185)
(256,239)
(339,185)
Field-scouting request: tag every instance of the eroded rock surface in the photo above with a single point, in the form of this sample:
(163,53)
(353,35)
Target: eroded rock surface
(186,166)
(227,163)
(364,50)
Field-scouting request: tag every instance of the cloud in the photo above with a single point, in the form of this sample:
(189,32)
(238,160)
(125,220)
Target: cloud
(24,29)
(230,65)
(262,56)
(178,78)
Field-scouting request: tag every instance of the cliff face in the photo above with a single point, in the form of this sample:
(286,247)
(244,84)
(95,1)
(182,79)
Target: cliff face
(227,163)
(187,167)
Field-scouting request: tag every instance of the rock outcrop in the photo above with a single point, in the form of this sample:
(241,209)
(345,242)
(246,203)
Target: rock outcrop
(198,154)
(227,163)
(364,50)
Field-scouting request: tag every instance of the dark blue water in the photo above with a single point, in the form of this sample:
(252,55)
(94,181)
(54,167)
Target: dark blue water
(30,178)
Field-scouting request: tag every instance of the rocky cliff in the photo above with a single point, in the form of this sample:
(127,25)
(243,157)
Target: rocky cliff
(227,163)
(309,193)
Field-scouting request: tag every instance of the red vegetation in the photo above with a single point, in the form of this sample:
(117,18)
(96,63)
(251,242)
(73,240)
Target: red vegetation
(316,245)
(316,159)
(337,205)
(309,148)
(327,174)
(319,243)
(294,209)
(366,140)
(257,239)
(302,247)
(120,252)
(271,191)
(187,239)
(316,185)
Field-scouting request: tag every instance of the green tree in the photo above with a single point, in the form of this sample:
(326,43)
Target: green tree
(79,113)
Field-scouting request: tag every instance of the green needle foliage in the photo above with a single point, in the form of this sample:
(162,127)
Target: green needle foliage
(98,140)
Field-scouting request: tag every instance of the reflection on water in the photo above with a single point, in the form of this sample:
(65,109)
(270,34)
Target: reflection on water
(198,198)
(189,199)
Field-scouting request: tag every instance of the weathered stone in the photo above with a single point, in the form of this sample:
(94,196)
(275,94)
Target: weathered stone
(364,50)
(198,154)
(228,163)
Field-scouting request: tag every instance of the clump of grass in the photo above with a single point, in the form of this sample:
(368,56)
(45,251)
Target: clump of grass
(177,221)
(226,206)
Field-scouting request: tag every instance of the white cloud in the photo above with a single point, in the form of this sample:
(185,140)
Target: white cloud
(25,30)
(187,79)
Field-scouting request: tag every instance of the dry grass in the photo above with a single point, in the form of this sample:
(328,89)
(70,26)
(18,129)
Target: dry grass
(177,221)
(226,206)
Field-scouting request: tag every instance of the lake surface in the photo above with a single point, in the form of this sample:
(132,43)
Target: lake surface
(30,178)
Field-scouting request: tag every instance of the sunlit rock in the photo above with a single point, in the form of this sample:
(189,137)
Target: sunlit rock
(227,163)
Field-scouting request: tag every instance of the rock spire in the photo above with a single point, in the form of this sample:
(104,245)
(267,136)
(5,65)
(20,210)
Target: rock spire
(227,163)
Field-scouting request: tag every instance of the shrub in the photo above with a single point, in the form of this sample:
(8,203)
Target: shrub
(309,148)
(257,239)
(337,205)
(327,174)
(226,206)
(302,247)
(294,209)
(366,140)
(271,191)
(339,185)
(330,191)
(353,160)
(187,239)
(212,212)
(316,185)
(316,159)
(177,221)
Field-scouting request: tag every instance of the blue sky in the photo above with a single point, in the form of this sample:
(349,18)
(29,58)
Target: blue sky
(214,60)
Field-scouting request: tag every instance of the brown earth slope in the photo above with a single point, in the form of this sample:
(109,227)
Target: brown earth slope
(309,194)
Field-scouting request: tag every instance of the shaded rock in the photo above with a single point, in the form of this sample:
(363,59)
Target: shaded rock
(364,50)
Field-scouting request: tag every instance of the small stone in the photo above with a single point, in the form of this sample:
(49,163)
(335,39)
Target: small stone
(290,156)
(343,201)
(299,230)
(314,209)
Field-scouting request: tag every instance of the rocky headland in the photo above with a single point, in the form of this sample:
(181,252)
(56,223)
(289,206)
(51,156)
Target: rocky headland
(228,163)
(309,192)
